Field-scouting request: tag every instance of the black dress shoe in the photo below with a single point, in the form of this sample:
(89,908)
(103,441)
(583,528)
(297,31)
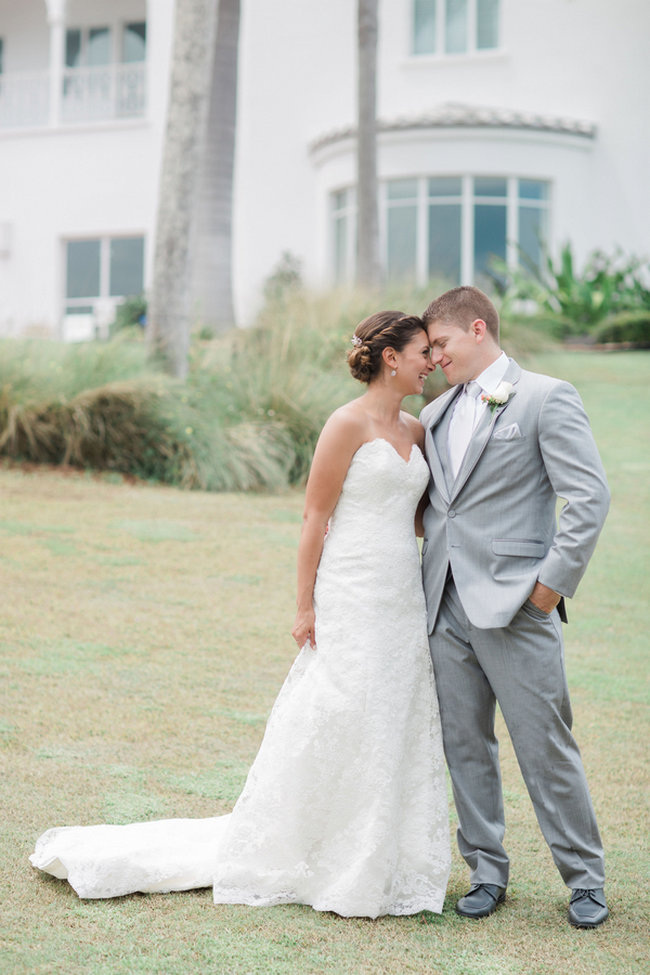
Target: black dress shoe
(587,908)
(481,900)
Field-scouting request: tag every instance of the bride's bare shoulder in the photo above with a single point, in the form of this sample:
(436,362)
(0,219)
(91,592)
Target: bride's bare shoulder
(349,420)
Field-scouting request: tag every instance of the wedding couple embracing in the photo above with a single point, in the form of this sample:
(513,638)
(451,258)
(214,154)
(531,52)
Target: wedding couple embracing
(401,663)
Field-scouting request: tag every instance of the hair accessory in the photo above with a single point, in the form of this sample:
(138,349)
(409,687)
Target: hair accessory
(356,341)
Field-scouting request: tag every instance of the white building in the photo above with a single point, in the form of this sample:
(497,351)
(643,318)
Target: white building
(501,122)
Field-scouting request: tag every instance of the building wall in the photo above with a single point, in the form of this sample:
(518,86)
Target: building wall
(577,59)
(73,181)
(584,60)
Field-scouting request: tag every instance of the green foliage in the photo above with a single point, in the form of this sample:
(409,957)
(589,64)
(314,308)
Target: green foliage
(130,313)
(631,327)
(247,417)
(574,302)
(36,370)
(285,278)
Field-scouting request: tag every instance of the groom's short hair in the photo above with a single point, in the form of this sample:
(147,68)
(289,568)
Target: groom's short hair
(462,306)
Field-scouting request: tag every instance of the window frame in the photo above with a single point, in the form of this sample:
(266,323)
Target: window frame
(440,32)
(116,42)
(466,198)
(80,305)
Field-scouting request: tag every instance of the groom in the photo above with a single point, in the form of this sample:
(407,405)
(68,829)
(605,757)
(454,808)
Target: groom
(503,444)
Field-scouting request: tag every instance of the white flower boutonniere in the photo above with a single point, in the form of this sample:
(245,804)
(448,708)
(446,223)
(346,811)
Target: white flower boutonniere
(501,395)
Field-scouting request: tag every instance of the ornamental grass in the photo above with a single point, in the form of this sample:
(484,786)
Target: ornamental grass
(246,419)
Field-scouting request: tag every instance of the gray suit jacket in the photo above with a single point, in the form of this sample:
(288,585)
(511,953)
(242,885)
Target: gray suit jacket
(495,523)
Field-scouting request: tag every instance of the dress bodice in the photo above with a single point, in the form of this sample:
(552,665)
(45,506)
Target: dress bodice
(380,488)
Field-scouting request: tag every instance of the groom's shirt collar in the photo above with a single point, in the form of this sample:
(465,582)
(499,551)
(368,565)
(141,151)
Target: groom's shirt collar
(490,378)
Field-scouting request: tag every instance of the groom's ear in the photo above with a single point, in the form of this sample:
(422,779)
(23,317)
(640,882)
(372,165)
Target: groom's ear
(478,328)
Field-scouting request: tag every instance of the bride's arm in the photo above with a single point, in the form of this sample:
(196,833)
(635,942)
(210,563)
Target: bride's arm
(342,435)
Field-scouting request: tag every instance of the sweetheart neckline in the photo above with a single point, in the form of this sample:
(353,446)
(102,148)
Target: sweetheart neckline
(394,449)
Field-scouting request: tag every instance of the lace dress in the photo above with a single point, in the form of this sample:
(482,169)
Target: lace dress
(345,806)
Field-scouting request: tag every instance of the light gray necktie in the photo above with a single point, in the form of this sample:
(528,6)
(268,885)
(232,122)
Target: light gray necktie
(462,425)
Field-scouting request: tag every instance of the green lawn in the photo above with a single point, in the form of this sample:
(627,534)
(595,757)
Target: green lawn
(145,633)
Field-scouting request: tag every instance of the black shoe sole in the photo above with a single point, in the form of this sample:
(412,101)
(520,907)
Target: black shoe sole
(587,924)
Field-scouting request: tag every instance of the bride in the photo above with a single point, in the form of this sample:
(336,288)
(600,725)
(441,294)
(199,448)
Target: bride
(345,806)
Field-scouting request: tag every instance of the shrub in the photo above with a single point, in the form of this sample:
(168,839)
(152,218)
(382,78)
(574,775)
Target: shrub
(247,417)
(631,327)
(130,313)
(577,302)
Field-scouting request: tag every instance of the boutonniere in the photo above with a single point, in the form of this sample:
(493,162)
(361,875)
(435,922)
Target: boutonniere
(501,395)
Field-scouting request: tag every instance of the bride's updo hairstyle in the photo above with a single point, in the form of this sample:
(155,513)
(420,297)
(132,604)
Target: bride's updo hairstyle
(383,330)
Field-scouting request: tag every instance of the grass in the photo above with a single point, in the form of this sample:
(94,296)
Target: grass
(144,636)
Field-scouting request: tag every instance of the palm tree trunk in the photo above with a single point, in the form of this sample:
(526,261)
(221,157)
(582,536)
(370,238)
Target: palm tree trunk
(169,306)
(368,268)
(212,273)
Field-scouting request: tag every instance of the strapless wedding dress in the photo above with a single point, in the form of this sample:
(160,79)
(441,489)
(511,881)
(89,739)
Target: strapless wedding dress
(345,806)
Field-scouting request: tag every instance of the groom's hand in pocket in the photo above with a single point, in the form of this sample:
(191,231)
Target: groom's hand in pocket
(544,598)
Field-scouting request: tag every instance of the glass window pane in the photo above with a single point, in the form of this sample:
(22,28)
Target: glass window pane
(487,24)
(402,189)
(339,199)
(490,186)
(340,248)
(79,309)
(424,26)
(445,186)
(127,266)
(82,270)
(533,189)
(489,236)
(72,48)
(134,42)
(402,241)
(531,235)
(456,26)
(444,242)
(99,47)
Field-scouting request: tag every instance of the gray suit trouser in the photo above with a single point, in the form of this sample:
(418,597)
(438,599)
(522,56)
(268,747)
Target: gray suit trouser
(522,667)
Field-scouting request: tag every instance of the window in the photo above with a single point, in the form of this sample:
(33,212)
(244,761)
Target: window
(532,215)
(343,233)
(444,227)
(93,47)
(401,228)
(104,72)
(134,43)
(450,228)
(455,26)
(109,267)
(490,200)
(88,48)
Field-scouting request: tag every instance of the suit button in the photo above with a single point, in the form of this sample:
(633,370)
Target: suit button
(451,513)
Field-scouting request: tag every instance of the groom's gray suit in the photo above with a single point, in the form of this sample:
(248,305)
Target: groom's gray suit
(490,535)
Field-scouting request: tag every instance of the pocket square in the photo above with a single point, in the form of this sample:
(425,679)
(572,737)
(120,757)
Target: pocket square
(511,432)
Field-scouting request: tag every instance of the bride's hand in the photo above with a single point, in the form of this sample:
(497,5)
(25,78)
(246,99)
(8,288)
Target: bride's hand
(304,629)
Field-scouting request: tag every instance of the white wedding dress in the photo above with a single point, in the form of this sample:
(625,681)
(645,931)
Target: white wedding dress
(345,806)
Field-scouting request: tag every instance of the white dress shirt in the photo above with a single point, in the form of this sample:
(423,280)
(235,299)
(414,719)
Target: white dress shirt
(469,409)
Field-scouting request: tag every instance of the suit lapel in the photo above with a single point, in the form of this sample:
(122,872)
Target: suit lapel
(436,440)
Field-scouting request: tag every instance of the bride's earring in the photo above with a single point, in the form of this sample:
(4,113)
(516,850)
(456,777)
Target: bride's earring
(393,372)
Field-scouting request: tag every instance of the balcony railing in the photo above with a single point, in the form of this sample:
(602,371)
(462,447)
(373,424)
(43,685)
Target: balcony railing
(114,91)
(24,99)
